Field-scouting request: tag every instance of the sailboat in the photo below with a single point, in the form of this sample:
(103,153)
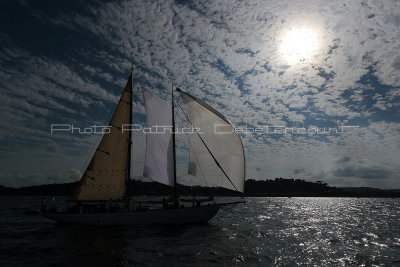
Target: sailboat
(216,155)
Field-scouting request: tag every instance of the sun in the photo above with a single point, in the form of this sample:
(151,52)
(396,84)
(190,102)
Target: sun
(299,45)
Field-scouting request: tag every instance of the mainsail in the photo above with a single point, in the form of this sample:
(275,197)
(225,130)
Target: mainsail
(218,137)
(159,162)
(107,174)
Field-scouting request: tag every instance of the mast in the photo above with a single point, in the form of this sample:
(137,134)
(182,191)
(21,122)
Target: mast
(128,175)
(173,145)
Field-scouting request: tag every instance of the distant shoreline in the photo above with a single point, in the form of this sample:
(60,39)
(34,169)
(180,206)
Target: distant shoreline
(278,187)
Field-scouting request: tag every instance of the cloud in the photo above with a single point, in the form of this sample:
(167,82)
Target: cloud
(370,172)
(342,159)
(396,63)
(298,171)
(227,55)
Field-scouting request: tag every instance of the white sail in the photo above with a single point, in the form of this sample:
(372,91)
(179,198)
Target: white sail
(106,176)
(159,162)
(223,142)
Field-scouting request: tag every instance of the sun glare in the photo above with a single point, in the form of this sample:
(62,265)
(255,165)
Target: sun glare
(299,45)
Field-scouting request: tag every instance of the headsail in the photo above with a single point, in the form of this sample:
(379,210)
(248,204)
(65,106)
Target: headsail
(106,176)
(222,141)
(159,149)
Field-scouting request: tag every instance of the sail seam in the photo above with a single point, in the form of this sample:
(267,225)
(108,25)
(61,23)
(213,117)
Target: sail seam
(201,170)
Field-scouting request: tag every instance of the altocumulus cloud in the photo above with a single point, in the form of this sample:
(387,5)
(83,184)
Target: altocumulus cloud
(370,172)
(74,58)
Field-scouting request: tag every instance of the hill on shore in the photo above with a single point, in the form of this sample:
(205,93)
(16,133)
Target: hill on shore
(279,187)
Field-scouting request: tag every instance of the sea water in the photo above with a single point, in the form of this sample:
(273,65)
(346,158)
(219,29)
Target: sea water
(260,232)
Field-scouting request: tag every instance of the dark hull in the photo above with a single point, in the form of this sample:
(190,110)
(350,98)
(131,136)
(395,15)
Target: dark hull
(190,215)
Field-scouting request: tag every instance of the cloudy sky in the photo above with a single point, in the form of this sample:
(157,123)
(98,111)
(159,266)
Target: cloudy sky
(294,66)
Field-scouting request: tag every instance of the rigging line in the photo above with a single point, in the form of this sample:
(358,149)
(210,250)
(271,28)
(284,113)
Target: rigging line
(201,170)
(173,144)
(209,151)
(72,163)
(196,158)
(129,153)
(89,157)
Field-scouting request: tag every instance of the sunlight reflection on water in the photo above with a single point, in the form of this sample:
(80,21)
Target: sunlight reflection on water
(325,231)
(263,231)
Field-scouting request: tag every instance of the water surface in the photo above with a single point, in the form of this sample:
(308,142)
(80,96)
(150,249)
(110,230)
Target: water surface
(263,231)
